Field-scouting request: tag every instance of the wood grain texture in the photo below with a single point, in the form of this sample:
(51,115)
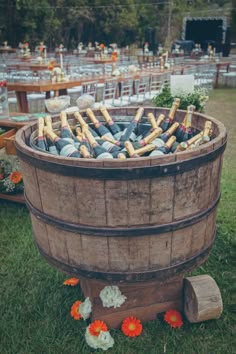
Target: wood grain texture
(198,236)
(215,177)
(192,192)
(40,234)
(118,253)
(211,227)
(90,202)
(202,299)
(57,244)
(58,196)
(160,250)
(181,245)
(31,184)
(139,202)
(95,252)
(162,200)
(116,199)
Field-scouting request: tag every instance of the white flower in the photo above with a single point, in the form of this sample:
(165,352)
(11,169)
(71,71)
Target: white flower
(9,185)
(57,70)
(111,296)
(103,341)
(85,308)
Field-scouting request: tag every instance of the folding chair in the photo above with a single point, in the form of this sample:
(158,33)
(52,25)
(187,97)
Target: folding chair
(109,93)
(141,88)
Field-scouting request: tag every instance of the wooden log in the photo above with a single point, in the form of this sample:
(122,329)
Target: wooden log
(202,299)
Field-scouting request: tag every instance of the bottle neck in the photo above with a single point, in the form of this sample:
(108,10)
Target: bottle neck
(170,142)
(138,115)
(172,129)
(92,117)
(90,138)
(149,138)
(81,121)
(40,126)
(188,117)
(152,120)
(207,128)
(48,122)
(160,119)
(174,108)
(106,115)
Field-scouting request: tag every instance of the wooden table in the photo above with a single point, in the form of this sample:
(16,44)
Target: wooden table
(59,88)
(103,61)
(28,66)
(21,89)
(6,50)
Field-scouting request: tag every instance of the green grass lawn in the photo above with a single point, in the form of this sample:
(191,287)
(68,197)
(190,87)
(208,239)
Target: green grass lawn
(35,306)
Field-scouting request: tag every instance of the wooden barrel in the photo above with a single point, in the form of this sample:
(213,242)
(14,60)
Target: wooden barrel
(125,221)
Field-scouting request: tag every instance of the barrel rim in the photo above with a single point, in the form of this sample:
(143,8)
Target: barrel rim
(20,138)
(143,167)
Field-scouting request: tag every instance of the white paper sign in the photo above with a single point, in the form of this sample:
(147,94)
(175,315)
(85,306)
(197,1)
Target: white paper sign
(181,84)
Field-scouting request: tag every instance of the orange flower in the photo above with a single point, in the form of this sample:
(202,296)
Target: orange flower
(16,177)
(102,46)
(71,282)
(174,318)
(131,327)
(96,327)
(75,310)
(50,67)
(114,56)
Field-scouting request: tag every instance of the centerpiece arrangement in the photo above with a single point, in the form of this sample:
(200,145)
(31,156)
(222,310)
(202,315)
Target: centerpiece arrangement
(25,50)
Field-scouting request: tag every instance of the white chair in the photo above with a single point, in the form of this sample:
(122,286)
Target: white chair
(36,102)
(109,93)
(126,91)
(90,88)
(141,88)
(205,76)
(12,103)
(156,86)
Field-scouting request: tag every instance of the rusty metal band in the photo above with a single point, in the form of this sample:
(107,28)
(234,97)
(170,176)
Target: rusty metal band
(120,231)
(120,173)
(129,277)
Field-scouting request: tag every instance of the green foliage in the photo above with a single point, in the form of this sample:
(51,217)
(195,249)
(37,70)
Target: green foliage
(198,98)
(70,21)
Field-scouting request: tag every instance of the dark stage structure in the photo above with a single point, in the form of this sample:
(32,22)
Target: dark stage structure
(208,30)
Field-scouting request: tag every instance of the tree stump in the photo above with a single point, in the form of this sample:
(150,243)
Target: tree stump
(202,299)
